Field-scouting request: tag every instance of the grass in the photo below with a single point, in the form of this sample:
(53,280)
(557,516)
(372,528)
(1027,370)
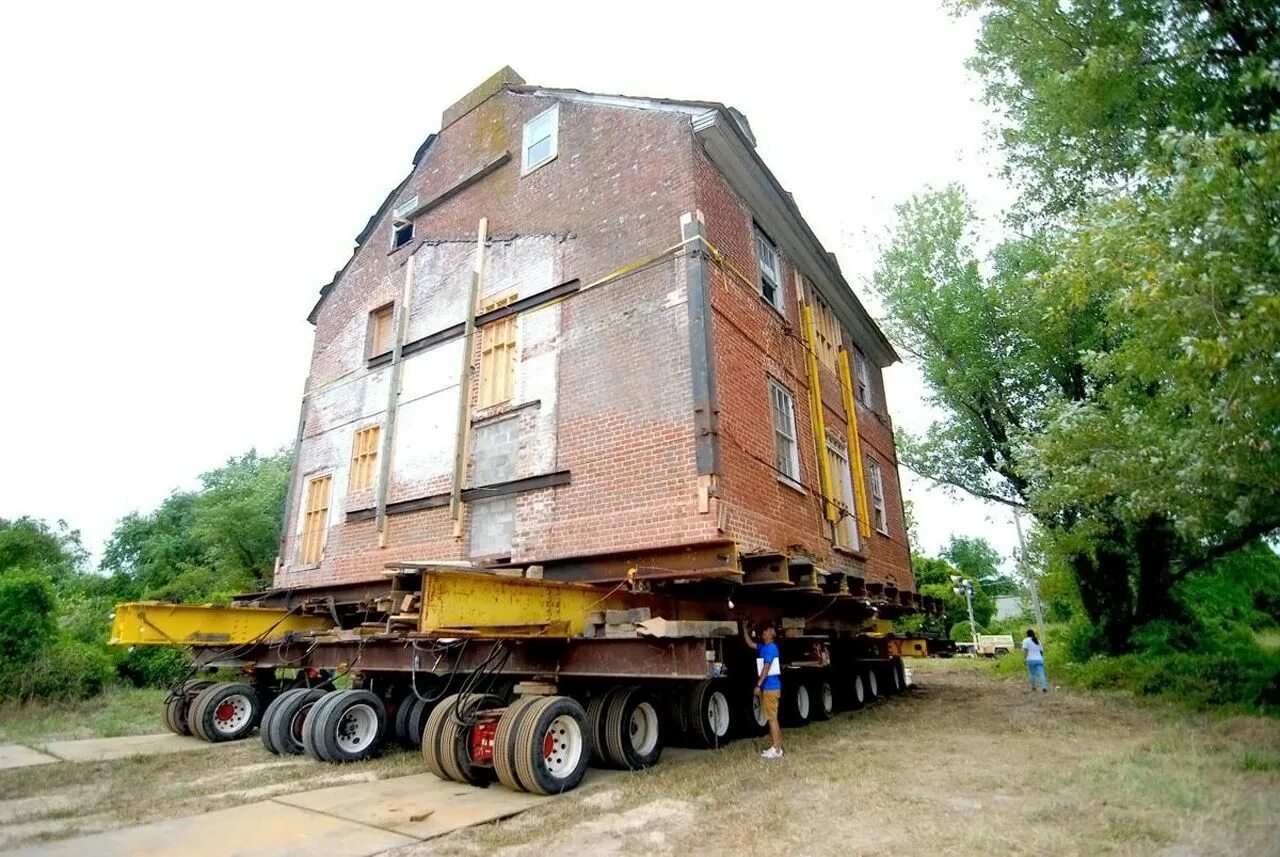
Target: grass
(119,710)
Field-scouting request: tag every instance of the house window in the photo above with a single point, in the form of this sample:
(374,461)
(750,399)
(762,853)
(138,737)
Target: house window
(826,327)
(864,380)
(364,457)
(540,135)
(315,520)
(379,334)
(497,354)
(877,496)
(785,449)
(401,234)
(770,270)
(846,533)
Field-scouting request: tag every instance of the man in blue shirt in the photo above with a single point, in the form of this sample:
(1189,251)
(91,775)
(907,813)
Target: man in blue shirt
(768,682)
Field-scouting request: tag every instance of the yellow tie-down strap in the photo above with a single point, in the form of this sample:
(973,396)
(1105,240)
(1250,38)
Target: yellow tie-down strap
(155,623)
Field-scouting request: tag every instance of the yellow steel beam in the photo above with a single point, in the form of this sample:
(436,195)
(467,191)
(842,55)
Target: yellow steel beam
(463,602)
(855,446)
(154,623)
(819,422)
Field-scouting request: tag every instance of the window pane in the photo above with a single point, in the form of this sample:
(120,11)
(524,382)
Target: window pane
(539,151)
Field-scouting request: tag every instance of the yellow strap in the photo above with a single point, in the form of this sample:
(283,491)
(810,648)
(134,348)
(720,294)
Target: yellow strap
(855,445)
(815,408)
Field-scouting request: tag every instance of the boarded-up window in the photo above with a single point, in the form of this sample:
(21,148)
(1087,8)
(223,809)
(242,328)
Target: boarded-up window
(380,330)
(497,354)
(846,531)
(315,520)
(878,516)
(364,458)
(864,380)
(826,327)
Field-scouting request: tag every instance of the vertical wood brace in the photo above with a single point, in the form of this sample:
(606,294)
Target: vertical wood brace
(394,386)
(701,351)
(855,446)
(464,384)
(815,406)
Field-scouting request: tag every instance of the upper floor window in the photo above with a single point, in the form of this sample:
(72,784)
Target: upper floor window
(364,458)
(401,234)
(878,516)
(786,450)
(845,531)
(540,138)
(826,327)
(378,337)
(864,379)
(315,520)
(770,270)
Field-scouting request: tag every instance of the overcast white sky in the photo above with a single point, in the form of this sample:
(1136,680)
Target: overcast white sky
(177,181)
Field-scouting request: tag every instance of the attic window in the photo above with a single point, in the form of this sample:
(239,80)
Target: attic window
(540,138)
(402,234)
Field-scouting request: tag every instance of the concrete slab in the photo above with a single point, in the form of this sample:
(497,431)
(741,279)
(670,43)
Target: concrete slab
(265,829)
(420,805)
(18,756)
(101,749)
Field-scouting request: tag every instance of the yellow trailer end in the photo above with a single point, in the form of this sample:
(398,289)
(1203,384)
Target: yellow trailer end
(155,623)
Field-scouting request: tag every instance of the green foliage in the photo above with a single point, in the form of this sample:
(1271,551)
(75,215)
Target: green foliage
(205,545)
(55,552)
(978,561)
(152,666)
(27,622)
(67,669)
(964,632)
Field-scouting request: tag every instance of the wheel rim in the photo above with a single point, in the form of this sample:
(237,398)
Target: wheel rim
(718,714)
(643,729)
(802,702)
(232,714)
(357,728)
(859,690)
(828,698)
(872,684)
(757,711)
(562,746)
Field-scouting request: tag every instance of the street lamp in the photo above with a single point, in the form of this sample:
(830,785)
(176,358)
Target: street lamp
(964,586)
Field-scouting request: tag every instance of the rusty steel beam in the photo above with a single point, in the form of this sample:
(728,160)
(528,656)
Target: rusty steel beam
(678,562)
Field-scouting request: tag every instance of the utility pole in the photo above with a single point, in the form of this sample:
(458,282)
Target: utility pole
(1029,577)
(964,587)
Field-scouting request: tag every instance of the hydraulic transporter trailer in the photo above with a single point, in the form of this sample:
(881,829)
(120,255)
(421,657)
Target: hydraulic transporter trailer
(499,673)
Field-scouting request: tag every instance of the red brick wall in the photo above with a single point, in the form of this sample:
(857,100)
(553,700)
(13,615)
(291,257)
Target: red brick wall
(754,342)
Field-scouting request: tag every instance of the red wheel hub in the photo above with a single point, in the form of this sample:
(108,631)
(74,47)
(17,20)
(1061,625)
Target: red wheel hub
(224,711)
(548,744)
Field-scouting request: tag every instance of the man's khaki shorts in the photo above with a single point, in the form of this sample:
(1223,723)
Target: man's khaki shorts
(769,703)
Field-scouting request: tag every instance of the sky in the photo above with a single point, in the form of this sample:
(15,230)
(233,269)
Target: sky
(178,180)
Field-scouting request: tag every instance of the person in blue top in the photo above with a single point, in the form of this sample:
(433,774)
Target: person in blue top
(1033,656)
(768,682)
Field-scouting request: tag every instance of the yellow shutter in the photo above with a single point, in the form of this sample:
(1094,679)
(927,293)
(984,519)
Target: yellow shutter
(315,522)
(380,329)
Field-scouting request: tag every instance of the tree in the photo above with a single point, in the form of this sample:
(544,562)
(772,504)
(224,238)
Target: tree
(30,544)
(978,560)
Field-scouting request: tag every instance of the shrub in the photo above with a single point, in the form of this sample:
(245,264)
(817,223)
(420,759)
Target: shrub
(154,666)
(27,623)
(67,669)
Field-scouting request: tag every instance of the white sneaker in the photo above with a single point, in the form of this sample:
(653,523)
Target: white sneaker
(771,753)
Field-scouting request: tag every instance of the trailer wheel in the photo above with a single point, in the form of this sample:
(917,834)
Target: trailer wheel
(431,735)
(822,699)
(633,731)
(505,749)
(858,691)
(404,717)
(707,714)
(899,674)
(282,728)
(796,704)
(345,726)
(455,740)
(872,685)
(754,722)
(597,708)
(552,745)
(178,706)
(418,719)
(225,711)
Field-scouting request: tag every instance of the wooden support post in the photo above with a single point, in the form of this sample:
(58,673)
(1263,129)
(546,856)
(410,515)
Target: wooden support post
(464,384)
(393,401)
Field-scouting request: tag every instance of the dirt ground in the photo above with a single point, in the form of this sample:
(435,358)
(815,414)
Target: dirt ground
(964,764)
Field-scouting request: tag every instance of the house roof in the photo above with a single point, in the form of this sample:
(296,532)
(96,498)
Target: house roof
(729,142)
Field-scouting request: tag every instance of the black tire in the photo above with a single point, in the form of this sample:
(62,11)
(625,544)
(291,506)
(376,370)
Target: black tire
(283,728)
(505,750)
(597,708)
(404,715)
(900,674)
(751,718)
(822,698)
(560,722)
(227,711)
(431,735)
(345,726)
(633,729)
(418,719)
(707,715)
(264,729)
(194,718)
(857,691)
(872,684)
(796,706)
(455,740)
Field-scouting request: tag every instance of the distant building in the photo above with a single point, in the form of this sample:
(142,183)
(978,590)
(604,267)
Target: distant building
(1010,606)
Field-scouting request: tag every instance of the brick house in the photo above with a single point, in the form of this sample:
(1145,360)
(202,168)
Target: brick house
(593,333)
